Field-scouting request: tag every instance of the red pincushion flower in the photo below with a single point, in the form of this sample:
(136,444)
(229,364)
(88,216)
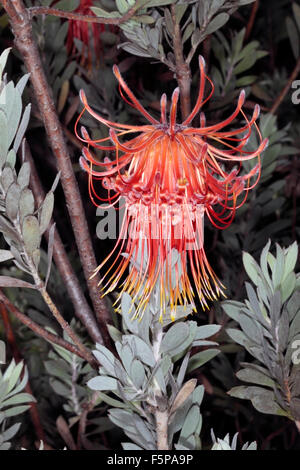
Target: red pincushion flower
(85,31)
(81,30)
(170,175)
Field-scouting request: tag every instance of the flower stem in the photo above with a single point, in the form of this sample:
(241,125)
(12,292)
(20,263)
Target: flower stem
(161,419)
(161,413)
(183,72)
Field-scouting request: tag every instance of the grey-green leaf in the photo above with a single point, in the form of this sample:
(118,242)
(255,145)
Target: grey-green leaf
(31,233)
(26,204)
(7,281)
(24,175)
(103,383)
(255,376)
(217,23)
(46,212)
(201,358)
(5,255)
(12,201)
(174,337)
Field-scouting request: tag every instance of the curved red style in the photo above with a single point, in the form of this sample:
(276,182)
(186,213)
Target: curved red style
(170,175)
(85,32)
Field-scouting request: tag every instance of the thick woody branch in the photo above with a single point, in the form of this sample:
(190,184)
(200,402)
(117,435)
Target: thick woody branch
(22,29)
(183,72)
(70,280)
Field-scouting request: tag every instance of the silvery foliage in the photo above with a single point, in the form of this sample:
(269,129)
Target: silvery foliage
(12,400)
(234,59)
(224,444)
(148,375)
(267,198)
(51,36)
(21,223)
(269,321)
(68,374)
(153,23)
(278,149)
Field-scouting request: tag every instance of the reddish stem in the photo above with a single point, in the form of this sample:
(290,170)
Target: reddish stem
(78,17)
(51,338)
(287,88)
(251,20)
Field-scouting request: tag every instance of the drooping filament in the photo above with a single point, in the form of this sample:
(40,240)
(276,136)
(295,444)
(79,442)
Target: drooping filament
(170,175)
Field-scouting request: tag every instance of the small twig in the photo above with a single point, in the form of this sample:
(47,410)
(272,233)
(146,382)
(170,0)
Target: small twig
(251,20)
(251,105)
(196,43)
(22,29)
(183,72)
(65,325)
(227,80)
(286,89)
(72,138)
(10,336)
(81,438)
(64,431)
(51,338)
(34,11)
(70,280)
(275,433)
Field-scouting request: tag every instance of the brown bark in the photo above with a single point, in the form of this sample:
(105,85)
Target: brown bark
(78,17)
(22,29)
(70,280)
(51,338)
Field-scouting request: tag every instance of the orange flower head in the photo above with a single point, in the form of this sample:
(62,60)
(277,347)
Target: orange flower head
(170,176)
